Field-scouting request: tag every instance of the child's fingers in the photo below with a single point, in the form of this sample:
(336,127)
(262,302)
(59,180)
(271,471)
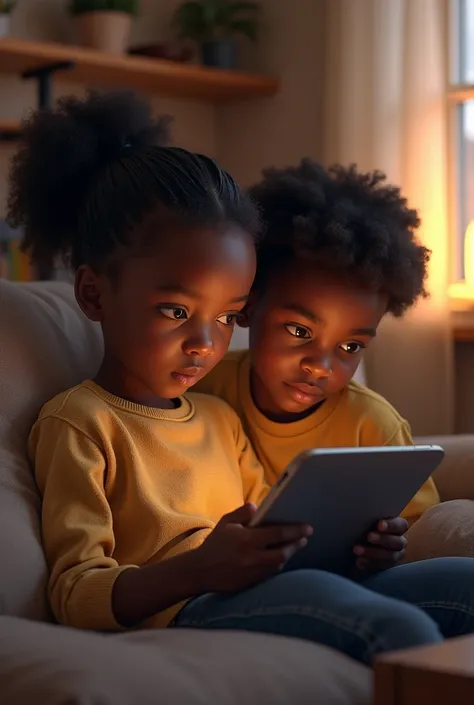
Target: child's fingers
(389,541)
(277,557)
(362,564)
(271,536)
(397,525)
(378,555)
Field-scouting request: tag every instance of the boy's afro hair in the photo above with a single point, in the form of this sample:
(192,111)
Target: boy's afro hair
(349,222)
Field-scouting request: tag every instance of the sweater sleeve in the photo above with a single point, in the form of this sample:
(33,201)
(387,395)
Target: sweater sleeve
(254,485)
(77,527)
(427,496)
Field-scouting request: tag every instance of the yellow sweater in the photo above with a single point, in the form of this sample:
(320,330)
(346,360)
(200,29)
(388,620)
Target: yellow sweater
(355,417)
(125,485)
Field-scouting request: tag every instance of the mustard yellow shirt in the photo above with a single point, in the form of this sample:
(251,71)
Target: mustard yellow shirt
(125,485)
(354,417)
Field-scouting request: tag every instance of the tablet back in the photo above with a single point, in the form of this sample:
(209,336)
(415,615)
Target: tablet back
(343,492)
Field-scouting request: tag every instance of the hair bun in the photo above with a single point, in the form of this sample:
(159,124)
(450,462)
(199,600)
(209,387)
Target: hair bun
(62,151)
(93,131)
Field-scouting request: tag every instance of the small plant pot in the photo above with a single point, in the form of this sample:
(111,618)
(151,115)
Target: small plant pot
(5,23)
(220,53)
(106,31)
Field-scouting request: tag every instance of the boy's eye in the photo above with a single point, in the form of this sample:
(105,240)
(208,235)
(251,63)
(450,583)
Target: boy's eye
(297,331)
(352,348)
(227,319)
(174,312)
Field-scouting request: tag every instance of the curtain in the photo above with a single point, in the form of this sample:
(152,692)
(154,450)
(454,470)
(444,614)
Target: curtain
(384,105)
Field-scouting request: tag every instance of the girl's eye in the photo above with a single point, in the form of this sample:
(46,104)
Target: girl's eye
(297,331)
(352,348)
(175,313)
(227,319)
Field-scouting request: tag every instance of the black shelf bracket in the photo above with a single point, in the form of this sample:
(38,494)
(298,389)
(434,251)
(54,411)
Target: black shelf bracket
(44,76)
(8,136)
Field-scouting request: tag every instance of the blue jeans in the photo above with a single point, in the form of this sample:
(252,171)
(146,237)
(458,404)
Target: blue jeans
(409,605)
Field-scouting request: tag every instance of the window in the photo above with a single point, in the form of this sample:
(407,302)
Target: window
(461,102)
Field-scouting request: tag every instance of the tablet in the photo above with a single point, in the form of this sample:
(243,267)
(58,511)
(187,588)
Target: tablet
(342,493)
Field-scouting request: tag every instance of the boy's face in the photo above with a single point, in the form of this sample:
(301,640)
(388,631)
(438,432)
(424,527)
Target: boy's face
(308,331)
(168,313)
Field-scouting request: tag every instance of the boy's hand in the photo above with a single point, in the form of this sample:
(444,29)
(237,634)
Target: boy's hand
(235,556)
(384,547)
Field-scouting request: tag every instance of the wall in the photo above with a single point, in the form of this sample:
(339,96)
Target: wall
(280,130)
(194,125)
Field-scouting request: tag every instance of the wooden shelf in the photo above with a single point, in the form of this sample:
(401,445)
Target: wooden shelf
(463,334)
(460,93)
(9,129)
(95,68)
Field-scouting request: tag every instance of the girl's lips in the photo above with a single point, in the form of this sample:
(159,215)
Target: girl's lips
(188,376)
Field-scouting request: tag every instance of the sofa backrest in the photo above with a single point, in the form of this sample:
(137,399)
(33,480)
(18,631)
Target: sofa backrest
(46,345)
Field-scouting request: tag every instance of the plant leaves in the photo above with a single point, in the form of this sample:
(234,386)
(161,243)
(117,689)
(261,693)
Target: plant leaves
(190,21)
(202,20)
(244,7)
(212,10)
(7,6)
(247,28)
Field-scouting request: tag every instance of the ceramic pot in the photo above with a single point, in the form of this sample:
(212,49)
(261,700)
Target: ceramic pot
(106,31)
(220,53)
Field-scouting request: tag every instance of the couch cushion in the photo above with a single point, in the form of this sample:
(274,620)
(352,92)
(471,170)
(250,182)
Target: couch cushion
(444,530)
(172,667)
(455,476)
(46,345)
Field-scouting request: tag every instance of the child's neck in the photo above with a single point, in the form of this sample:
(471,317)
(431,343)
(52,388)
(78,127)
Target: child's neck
(114,379)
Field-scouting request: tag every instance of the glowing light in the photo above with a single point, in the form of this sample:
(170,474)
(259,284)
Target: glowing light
(469,255)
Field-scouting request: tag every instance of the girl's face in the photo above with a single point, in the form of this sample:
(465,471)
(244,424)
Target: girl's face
(168,314)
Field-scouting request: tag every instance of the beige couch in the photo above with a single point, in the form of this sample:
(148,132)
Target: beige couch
(46,345)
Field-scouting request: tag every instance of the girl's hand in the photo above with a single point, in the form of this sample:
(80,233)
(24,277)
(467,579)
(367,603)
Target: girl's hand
(235,556)
(383,547)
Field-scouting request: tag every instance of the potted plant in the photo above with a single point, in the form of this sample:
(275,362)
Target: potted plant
(104,24)
(214,24)
(6,8)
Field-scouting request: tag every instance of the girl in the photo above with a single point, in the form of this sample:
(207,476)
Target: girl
(147,492)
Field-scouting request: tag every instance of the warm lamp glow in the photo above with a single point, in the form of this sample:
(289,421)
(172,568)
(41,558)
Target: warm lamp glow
(461,293)
(469,254)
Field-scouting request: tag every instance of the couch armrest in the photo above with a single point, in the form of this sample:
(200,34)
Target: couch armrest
(455,476)
(51,665)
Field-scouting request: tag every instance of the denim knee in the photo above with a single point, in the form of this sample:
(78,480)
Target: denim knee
(320,607)
(399,625)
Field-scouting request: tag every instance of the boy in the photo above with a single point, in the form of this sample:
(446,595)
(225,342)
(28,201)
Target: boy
(338,254)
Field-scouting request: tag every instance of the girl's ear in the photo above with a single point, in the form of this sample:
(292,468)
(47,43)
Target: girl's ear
(243,319)
(88,290)
(245,316)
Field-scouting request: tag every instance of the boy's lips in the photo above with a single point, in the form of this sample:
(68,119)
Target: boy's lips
(305,393)
(188,376)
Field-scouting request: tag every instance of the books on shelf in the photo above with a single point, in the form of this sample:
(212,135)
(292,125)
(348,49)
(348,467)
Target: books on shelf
(14,264)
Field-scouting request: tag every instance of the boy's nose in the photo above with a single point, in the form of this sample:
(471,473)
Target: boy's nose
(317,366)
